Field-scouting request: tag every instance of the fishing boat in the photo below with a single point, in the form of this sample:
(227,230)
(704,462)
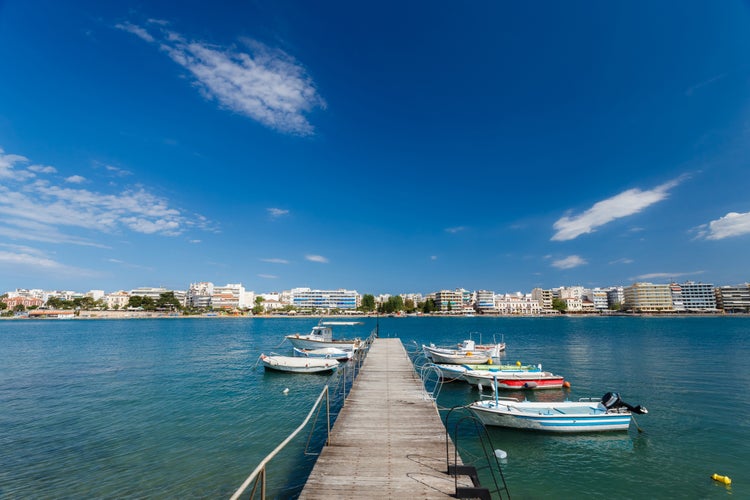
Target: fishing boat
(514,379)
(451,371)
(325,352)
(610,413)
(294,364)
(321,336)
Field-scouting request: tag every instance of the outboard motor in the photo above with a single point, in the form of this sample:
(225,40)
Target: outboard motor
(612,400)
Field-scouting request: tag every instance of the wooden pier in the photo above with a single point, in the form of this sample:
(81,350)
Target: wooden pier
(388,441)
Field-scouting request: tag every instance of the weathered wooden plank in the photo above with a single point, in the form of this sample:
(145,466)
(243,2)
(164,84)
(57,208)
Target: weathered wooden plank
(388,440)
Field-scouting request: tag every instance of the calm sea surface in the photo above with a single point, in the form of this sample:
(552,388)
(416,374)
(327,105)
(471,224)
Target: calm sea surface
(179,408)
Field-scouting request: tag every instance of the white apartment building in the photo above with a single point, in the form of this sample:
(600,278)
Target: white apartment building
(698,297)
(648,298)
(544,297)
(117,300)
(306,298)
(485,302)
(145,291)
(229,296)
(199,295)
(733,299)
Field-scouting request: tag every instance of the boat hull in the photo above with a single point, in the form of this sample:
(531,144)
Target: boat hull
(290,364)
(556,420)
(519,380)
(302,342)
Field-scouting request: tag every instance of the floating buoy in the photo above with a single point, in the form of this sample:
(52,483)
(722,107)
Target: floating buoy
(518,363)
(721,479)
(489,361)
(285,391)
(566,384)
(501,454)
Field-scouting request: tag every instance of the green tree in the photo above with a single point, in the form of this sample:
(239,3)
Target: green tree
(409,306)
(559,305)
(3,305)
(368,303)
(167,300)
(428,306)
(258,308)
(19,308)
(394,304)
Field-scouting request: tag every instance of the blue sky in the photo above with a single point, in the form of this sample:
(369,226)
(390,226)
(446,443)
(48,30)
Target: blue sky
(385,147)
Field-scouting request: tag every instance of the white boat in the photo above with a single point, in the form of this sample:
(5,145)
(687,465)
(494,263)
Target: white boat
(468,352)
(610,413)
(325,352)
(464,354)
(298,365)
(321,335)
(514,379)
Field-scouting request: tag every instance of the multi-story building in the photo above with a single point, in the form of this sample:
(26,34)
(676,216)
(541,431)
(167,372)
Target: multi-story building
(733,299)
(26,302)
(598,298)
(308,299)
(648,298)
(544,297)
(698,297)
(117,300)
(199,295)
(147,291)
(615,296)
(485,302)
(677,303)
(229,296)
(517,304)
(449,301)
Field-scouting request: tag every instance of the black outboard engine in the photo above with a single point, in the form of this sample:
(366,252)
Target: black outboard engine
(612,401)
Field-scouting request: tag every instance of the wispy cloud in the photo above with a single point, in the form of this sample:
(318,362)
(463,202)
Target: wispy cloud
(624,204)
(129,265)
(704,83)
(316,258)
(670,276)
(260,82)
(275,261)
(38,210)
(275,213)
(731,225)
(624,260)
(433,257)
(33,259)
(75,179)
(454,230)
(569,262)
(268,276)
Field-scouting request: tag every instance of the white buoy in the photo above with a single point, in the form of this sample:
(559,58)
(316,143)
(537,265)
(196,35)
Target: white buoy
(285,391)
(501,454)
(479,386)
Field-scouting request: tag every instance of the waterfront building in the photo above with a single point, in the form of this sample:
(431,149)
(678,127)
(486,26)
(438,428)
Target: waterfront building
(95,294)
(229,296)
(544,297)
(733,299)
(485,302)
(598,299)
(517,304)
(648,298)
(147,291)
(449,301)
(117,300)
(677,302)
(308,299)
(199,295)
(26,302)
(615,297)
(698,297)
(573,304)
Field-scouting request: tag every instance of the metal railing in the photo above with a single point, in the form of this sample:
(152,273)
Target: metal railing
(259,474)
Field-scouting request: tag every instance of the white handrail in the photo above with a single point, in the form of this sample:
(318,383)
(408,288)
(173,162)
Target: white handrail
(261,467)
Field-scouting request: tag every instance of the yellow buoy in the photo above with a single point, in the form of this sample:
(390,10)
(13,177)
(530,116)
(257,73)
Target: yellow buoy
(721,479)
(489,361)
(518,363)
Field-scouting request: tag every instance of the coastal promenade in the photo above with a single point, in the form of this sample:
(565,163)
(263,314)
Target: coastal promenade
(388,440)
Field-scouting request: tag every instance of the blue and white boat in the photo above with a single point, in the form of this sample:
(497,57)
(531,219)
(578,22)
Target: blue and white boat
(610,413)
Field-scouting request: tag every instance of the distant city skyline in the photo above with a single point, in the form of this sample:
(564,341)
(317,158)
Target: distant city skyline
(388,148)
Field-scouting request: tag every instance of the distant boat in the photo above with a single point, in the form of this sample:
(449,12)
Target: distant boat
(321,335)
(294,364)
(325,352)
(610,413)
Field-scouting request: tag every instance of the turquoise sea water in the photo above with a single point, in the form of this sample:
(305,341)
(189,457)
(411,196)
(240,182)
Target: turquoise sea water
(179,408)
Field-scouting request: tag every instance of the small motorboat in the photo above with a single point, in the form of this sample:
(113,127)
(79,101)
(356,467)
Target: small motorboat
(466,352)
(294,364)
(325,352)
(514,379)
(321,336)
(610,413)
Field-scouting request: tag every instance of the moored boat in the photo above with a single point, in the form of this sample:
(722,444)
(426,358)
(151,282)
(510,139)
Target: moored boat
(455,356)
(467,347)
(321,336)
(293,364)
(514,379)
(610,413)
(324,352)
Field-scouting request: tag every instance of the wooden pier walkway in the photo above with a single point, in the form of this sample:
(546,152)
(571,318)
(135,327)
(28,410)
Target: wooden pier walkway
(388,441)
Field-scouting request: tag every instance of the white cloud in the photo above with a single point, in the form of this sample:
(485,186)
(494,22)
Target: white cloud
(624,260)
(36,260)
(275,261)
(277,212)
(268,276)
(7,162)
(75,179)
(263,83)
(454,230)
(316,258)
(569,262)
(43,169)
(433,257)
(732,224)
(669,276)
(624,204)
(37,210)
